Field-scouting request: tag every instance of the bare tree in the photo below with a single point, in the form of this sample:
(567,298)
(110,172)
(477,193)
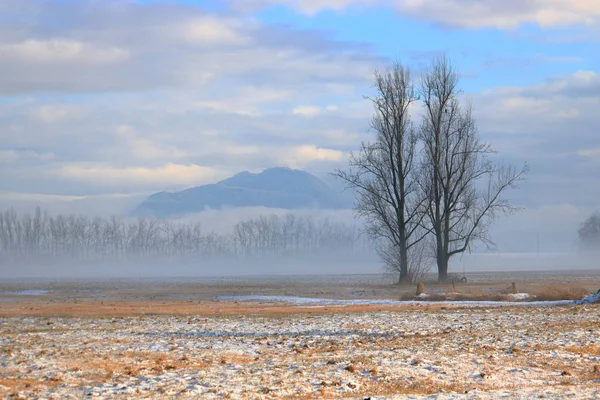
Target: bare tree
(421,259)
(383,173)
(463,186)
(589,233)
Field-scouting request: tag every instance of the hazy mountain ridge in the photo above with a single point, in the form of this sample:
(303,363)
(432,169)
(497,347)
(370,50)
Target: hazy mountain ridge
(282,188)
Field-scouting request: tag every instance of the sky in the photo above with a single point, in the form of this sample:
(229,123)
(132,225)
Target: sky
(111,100)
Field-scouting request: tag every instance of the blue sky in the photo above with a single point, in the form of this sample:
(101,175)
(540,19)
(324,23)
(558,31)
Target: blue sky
(488,56)
(117,99)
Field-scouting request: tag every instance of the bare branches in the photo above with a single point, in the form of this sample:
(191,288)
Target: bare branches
(463,187)
(451,190)
(383,173)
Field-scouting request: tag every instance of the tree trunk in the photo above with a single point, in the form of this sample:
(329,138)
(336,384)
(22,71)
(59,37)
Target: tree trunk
(443,271)
(442,261)
(404,278)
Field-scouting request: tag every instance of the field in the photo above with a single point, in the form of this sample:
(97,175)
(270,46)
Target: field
(199,339)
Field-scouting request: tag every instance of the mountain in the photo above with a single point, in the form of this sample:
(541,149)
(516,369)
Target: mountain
(273,188)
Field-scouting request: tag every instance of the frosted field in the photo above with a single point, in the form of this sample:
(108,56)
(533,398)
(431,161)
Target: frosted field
(434,352)
(345,336)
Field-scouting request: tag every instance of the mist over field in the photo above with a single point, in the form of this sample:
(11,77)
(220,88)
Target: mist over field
(76,246)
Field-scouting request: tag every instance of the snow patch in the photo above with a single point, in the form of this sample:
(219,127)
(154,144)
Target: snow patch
(519,296)
(318,301)
(594,298)
(31,292)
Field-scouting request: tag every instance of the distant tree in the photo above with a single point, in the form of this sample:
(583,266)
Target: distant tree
(589,233)
(383,173)
(464,188)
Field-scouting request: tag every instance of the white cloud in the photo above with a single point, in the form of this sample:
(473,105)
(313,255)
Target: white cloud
(62,50)
(242,150)
(170,174)
(301,156)
(130,46)
(52,114)
(246,101)
(557,105)
(501,14)
(591,153)
(146,149)
(308,7)
(13,156)
(212,31)
(306,111)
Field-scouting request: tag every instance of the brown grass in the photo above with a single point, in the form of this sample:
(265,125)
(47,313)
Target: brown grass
(553,293)
(415,386)
(543,293)
(589,350)
(207,308)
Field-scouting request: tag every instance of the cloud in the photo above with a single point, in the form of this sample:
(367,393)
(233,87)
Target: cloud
(14,156)
(503,14)
(306,111)
(212,31)
(52,114)
(557,105)
(146,149)
(308,7)
(62,51)
(472,14)
(169,174)
(98,205)
(591,153)
(301,156)
(133,46)
(551,126)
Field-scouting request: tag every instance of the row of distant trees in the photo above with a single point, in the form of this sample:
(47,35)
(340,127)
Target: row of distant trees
(41,238)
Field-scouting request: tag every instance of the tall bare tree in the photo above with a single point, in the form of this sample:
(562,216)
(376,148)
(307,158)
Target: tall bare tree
(382,174)
(464,188)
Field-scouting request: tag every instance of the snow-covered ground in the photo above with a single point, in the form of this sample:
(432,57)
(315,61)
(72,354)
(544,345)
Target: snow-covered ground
(463,303)
(470,352)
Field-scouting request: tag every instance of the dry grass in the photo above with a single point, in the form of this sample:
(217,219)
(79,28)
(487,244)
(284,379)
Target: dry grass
(415,386)
(552,293)
(589,350)
(121,309)
(543,293)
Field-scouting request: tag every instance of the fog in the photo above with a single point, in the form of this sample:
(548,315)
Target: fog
(229,242)
(247,242)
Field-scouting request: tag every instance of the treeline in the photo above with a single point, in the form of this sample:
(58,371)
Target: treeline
(41,238)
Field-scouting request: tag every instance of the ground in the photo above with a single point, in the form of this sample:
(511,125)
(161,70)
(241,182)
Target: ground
(122,341)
